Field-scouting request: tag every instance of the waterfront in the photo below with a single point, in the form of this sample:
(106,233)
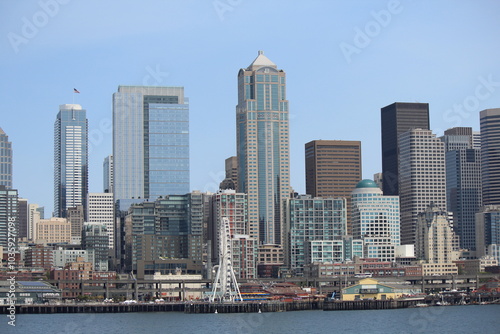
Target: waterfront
(450,319)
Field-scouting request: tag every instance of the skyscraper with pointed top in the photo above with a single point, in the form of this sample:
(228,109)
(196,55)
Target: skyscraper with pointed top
(5,160)
(70,158)
(262,131)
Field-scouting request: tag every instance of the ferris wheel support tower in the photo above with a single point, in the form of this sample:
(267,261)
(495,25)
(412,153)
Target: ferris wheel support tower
(225,287)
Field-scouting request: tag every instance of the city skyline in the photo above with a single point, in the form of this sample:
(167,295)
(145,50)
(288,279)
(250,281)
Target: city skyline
(352,60)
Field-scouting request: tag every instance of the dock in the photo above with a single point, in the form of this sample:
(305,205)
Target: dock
(241,307)
(370,304)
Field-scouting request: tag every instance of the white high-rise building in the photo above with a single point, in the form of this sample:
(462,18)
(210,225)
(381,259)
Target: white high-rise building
(100,209)
(70,158)
(34,216)
(489,120)
(375,220)
(422,178)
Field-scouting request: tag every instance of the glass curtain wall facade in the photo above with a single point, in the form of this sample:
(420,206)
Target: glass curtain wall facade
(263,146)
(170,227)
(309,219)
(150,142)
(70,158)
(463,183)
(488,231)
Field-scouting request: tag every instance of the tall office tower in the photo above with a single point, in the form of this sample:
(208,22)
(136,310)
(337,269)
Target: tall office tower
(489,120)
(107,168)
(23,218)
(309,219)
(35,213)
(95,240)
(230,181)
(488,231)
(76,217)
(100,209)
(70,158)
(396,119)
(333,168)
(476,140)
(378,179)
(150,142)
(436,242)
(422,178)
(231,178)
(9,219)
(5,160)
(262,141)
(463,183)
(375,220)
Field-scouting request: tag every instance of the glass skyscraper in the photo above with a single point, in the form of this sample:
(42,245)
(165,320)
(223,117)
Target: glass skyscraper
(488,231)
(463,183)
(150,142)
(263,146)
(5,160)
(70,158)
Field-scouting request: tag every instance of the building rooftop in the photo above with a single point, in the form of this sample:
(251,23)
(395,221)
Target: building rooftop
(366,183)
(261,61)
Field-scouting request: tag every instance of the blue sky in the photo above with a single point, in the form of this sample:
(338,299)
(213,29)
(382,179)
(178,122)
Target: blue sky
(344,61)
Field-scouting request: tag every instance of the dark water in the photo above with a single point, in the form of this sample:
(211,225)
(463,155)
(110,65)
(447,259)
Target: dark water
(450,319)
